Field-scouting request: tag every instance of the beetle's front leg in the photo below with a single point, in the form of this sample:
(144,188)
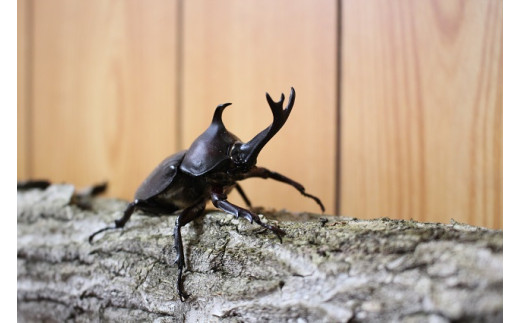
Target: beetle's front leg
(266,173)
(219,200)
(187,215)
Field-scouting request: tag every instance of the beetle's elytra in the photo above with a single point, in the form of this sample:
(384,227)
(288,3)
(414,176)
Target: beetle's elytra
(209,170)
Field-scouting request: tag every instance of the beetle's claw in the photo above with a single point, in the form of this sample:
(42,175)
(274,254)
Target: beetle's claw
(248,216)
(183,296)
(91,237)
(276,230)
(279,233)
(317,200)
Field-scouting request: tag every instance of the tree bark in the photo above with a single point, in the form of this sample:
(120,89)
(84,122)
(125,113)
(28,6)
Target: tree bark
(328,269)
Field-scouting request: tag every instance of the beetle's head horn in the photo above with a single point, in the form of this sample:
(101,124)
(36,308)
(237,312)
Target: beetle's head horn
(247,153)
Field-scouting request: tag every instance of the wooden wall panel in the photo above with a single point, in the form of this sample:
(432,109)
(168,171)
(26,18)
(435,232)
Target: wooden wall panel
(421,97)
(235,51)
(104,96)
(23,100)
(422,110)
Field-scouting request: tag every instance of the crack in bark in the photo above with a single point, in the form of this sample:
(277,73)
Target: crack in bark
(140,282)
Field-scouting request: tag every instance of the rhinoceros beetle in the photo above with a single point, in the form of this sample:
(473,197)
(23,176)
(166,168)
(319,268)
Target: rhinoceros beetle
(209,170)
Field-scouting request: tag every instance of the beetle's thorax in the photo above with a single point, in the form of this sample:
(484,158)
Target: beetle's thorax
(226,176)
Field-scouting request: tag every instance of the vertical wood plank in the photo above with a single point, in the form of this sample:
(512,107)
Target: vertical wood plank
(104,90)
(235,51)
(422,101)
(23,109)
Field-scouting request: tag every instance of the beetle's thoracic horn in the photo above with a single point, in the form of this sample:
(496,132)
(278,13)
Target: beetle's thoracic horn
(217,116)
(252,148)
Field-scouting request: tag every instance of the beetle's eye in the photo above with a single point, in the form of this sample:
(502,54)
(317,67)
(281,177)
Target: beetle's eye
(237,156)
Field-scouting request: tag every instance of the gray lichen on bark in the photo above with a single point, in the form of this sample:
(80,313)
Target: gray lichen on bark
(328,269)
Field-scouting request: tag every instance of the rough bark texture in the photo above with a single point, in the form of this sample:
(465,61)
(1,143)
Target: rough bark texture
(328,269)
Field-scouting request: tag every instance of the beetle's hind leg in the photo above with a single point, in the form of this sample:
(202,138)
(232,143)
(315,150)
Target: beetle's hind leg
(243,195)
(187,215)
(119,223)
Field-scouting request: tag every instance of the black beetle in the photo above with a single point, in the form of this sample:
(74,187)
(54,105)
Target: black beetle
(209,170)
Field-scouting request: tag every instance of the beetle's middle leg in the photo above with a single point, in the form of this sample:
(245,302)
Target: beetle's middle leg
(187,215)
(266,173)
(243,195)
(219,200)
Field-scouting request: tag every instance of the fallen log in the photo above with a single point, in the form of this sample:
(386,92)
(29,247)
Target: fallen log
(328,268)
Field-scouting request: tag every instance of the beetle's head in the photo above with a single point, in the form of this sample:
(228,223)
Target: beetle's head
(244,155)
(218,148)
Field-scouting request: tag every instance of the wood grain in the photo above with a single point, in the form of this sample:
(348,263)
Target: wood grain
(235,51)
(23,99)
(104,90)
(107,89)
(422,110)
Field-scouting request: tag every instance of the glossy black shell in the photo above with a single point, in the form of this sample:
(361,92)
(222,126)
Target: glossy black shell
(211,148)
(207,152)
(161,177)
